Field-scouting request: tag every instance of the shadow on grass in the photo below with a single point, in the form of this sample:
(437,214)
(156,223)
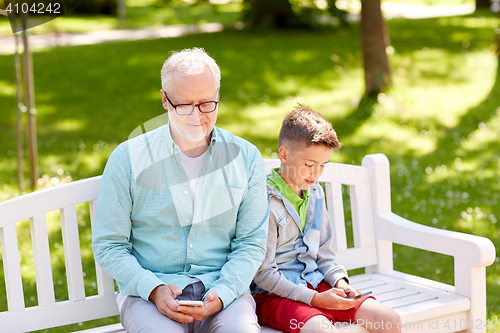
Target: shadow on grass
(346,126)
(452,138)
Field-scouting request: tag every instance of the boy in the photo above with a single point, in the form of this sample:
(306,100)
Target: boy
(296,278)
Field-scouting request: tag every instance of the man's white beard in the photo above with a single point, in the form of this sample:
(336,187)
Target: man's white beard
(191,136)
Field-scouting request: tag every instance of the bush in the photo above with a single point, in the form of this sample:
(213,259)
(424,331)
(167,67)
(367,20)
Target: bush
(106,7)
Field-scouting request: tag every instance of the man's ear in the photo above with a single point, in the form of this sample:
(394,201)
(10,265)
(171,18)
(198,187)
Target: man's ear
(283,154)
(164,101)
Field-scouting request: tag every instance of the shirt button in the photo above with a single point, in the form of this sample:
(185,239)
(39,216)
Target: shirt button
(187,221)
(186,192)
(180,166)
(300,255)
(190,245)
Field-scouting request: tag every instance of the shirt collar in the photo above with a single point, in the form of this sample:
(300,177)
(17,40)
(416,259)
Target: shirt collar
(279,183)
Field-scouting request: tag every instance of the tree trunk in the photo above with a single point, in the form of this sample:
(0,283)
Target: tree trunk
(483,3)
(122,12)
(374,40)
(29,101)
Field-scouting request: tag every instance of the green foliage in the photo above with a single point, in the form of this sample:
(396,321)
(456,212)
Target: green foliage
(439,125)
(105,7)
(140,14)
(285,14)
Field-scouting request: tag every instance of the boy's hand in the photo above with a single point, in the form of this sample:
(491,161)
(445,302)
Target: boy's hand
(163,297)
(213,305)
(349,291)
(334,299)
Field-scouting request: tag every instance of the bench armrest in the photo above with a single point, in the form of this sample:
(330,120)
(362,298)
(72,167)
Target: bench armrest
(474,251)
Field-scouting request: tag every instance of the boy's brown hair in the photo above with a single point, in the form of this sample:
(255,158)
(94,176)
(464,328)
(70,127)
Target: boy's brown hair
(304,126)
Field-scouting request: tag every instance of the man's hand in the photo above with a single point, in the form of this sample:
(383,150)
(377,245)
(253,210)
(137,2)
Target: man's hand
(334,299)
(213,305)
(349,291)
(163,297)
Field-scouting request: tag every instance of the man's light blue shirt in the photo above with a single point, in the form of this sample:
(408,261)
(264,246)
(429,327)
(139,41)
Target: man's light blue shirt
(146,232)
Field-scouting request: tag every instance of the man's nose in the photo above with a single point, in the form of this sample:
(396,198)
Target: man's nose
(196,114)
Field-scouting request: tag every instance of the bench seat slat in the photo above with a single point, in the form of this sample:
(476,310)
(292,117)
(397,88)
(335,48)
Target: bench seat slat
(367,285)
(432,309)
(388,296)
(385,289)
(41,256)
(410,300)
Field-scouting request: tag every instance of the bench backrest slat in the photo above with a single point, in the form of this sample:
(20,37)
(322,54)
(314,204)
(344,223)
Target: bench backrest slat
(333,194)
(12,268)
(362,213)
(72,254)
(41,256)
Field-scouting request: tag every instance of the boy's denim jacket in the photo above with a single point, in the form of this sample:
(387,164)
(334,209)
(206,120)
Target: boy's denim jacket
(294,257)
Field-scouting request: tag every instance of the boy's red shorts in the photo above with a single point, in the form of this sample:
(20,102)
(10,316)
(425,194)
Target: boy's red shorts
(287,315)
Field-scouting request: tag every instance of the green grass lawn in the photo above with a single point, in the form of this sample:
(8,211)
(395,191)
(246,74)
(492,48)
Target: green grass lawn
(140,14)
(439,125)
(144,13)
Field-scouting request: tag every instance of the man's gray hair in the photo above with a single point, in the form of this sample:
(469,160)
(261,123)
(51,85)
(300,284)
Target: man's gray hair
(188,62)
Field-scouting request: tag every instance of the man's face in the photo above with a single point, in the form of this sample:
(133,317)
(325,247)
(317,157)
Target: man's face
(303,166)
(197,126)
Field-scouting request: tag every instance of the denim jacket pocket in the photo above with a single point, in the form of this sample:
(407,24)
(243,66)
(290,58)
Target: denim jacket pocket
(282,219)
(287,233)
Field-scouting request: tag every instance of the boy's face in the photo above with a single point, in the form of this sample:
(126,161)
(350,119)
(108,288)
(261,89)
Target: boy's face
(301,166)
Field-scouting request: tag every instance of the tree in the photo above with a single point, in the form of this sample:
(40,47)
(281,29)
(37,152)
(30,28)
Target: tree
(374,41)
(483,3)
(284,14)
(270,14)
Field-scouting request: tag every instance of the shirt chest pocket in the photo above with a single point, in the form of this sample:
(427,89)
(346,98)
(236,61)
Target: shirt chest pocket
(287,230)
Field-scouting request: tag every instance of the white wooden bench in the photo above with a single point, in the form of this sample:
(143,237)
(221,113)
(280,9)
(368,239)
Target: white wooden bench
(424,305)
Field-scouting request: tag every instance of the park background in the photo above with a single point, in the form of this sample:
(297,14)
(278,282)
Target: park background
(438,123)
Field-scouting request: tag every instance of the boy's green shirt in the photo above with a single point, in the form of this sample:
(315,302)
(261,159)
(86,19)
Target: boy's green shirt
(300,204)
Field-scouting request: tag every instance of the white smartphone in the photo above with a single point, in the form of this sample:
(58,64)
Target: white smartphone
(191,303)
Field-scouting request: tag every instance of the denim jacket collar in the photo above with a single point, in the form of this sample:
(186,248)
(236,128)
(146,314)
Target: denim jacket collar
(314,194)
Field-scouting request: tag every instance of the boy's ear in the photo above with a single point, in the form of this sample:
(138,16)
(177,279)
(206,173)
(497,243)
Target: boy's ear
(283,154)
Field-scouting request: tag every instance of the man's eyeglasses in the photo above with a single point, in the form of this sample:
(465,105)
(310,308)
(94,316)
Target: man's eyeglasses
(187,109)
